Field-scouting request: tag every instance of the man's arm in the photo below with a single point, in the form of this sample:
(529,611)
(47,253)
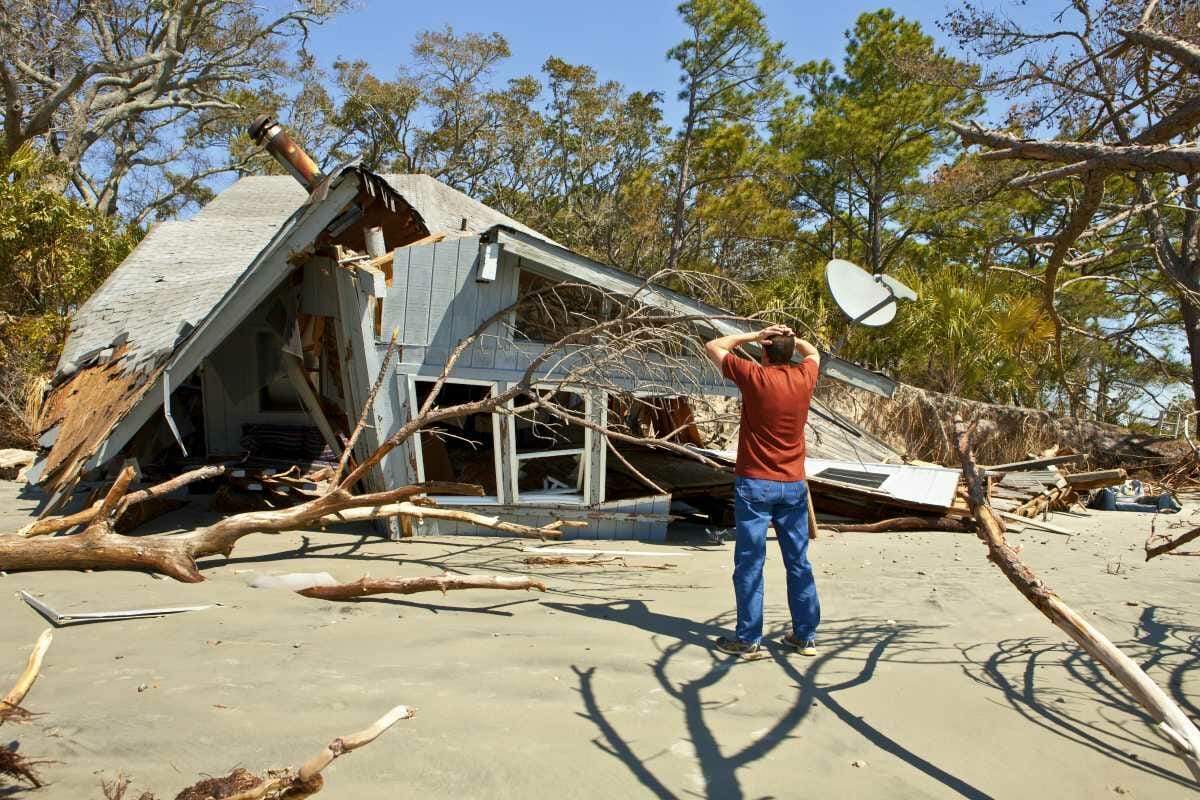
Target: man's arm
(808,351)
(717,349)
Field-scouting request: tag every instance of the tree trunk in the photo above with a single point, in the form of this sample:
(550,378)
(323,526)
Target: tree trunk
(1191,329)
(681,184)
(1169,720)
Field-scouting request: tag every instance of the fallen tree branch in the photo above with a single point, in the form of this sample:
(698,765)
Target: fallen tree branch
(594,561)
(13,764)
(292,783)
(1169,544)
(54,524)
(1169,719)
(25,680)
(367,585)
(948,524)
(99,546)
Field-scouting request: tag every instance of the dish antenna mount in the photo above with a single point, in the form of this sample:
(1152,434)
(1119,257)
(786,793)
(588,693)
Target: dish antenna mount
(865,298)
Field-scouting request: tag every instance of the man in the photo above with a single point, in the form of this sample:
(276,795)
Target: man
(769,486)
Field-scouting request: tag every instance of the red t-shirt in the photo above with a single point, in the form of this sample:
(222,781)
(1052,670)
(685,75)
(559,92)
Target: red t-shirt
(775,400)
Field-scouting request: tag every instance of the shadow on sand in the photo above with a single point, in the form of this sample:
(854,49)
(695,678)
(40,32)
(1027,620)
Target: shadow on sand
(863,641)
(860,645)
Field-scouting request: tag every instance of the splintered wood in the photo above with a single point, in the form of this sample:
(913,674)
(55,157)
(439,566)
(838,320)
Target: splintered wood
(85,409)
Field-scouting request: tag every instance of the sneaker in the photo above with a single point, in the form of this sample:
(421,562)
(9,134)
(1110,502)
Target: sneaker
(806,647)
(738,648)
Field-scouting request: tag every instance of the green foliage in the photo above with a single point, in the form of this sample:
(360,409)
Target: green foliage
(855,148)
(54,252)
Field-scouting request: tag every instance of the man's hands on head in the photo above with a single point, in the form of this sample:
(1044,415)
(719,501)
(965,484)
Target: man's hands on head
(767,333)
(717,349)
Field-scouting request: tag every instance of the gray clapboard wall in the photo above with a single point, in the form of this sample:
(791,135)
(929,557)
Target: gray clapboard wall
(435,302)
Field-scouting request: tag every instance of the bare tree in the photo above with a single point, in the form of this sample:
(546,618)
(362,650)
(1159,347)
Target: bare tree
(1106,116)
(128,94)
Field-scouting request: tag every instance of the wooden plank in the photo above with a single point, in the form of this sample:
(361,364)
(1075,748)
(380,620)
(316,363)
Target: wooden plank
(1035,463)
(1096,480)
(1036,523)
(295,373)
(361,363)
(420,281)
(395,304)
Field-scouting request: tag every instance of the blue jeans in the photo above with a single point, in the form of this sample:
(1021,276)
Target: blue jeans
(758,503)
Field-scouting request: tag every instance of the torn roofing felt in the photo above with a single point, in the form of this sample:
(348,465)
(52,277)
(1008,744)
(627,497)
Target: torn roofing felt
(185,279)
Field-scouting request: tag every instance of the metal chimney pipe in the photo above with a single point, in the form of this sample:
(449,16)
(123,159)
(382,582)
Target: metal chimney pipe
(269,133)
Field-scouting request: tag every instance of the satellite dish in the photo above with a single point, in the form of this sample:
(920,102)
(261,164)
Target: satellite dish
(863,297)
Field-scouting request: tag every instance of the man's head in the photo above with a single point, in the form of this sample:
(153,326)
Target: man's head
(778,349)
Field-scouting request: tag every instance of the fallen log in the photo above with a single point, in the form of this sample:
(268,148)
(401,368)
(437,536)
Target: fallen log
(1169,719)
(1099,479)
(99,546)
(367,585)
(947,524)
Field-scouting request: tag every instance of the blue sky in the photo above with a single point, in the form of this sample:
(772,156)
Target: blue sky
(625,40)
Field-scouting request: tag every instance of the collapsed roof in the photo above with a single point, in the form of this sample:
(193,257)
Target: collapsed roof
(189,283)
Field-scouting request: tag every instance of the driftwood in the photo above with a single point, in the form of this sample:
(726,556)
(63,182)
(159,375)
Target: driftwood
(594,561)
(291,783)
(1168,545)
(12,764)
(948,524)
(367,585)
(1169,719)
(99,546)
(25,680)
(55,524)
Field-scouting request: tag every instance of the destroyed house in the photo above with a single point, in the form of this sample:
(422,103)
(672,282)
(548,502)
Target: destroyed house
(260,324)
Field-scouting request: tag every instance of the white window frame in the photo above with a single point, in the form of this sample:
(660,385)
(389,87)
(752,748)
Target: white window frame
(419,453)
(579,497)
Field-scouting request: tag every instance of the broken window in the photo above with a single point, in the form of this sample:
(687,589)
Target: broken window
(553,315)
(461,450)
(551,451)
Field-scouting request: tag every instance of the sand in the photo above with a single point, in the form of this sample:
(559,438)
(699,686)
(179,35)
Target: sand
(935,677)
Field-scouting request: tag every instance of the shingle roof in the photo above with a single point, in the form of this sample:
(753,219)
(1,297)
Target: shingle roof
(179,272)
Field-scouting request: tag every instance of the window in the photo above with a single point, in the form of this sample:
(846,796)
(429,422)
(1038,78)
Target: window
(551,452)
(461,450)
(553,315)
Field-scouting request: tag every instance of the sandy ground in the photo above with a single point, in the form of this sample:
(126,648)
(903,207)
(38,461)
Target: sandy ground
(935,678)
